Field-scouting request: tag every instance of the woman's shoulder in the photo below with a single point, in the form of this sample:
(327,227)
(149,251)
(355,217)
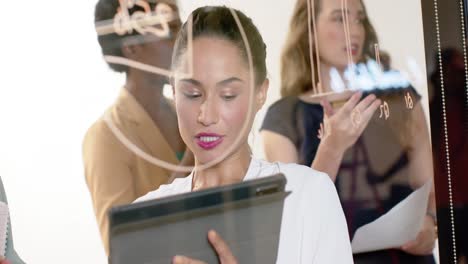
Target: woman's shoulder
(292,108)
(178,186)
(281,117)
(302,174)
(297,175)
(285,103)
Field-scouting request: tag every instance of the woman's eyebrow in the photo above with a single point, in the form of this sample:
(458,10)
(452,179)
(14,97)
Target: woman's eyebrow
(338,11)
(191,81)
(228,81)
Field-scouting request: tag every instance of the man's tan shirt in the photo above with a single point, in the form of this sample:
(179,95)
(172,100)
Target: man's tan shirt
(114,174)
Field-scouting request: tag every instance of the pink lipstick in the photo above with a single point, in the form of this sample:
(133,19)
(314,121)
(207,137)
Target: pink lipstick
(208,141)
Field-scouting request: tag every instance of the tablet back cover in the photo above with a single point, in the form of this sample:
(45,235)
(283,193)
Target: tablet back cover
(250,227)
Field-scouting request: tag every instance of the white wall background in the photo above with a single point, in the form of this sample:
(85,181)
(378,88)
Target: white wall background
(400,30)
(54,84)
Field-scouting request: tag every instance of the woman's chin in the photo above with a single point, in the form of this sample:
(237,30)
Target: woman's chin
(204,157)
(216,154)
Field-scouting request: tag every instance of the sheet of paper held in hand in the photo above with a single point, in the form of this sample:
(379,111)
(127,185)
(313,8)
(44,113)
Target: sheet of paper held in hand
(398,226)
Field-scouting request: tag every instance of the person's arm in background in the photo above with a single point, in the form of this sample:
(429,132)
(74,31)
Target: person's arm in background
(340,133)
(278,147)
(10,254)
(108,176)
(278,132)
(421,171)
(341,130)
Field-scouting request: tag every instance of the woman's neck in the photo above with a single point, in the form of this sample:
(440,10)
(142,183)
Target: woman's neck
(325,80)
(231,170)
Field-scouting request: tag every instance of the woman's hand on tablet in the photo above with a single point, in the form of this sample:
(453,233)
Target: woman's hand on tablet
(219,245)
(3,260)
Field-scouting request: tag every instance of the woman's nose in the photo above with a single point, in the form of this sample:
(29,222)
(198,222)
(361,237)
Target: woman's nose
(208,112)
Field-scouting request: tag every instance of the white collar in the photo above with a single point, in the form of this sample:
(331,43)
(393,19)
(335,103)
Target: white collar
(253,172)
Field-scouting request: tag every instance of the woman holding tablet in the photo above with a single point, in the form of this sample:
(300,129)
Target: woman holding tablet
(216,106)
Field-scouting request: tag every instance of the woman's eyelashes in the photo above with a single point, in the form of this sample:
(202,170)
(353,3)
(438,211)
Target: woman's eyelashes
(229,96)
(225,97)
(195,95)
(230,92)
(225,92)
(340,19)
(192,94)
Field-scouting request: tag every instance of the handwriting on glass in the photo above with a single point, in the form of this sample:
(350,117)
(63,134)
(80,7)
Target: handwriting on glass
(377,55)
(356,117)
(143,21)
(409,101)
(384,110)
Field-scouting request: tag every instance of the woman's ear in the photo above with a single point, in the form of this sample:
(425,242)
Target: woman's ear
(261,94)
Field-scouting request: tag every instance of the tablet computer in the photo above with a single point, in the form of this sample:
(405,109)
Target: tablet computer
(247,215)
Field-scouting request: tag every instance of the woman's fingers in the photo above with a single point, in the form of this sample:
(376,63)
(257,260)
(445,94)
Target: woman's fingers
(409,245)
(222,250)
(327,108)
(367,109)
(185,260)
(417,247)
(364,104)
(220,246)
(424,242)
(347,107)
(352,101)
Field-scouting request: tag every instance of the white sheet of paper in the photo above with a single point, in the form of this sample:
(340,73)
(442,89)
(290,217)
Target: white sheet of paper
(398,226)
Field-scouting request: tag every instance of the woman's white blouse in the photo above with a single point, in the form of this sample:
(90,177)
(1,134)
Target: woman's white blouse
(313,228)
